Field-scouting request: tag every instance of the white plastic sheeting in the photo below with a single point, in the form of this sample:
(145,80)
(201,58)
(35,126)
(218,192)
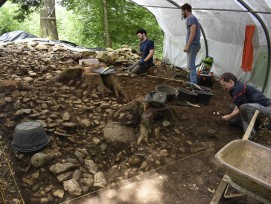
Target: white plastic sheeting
(225,33)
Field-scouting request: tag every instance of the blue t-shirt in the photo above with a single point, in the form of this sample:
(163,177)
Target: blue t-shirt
(191,20)
(145,48)
(242,93)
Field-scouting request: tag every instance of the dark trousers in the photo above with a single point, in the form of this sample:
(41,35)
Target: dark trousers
(237,122)
(137,68)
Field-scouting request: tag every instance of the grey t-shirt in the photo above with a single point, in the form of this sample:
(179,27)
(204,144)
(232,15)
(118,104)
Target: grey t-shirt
(190,21)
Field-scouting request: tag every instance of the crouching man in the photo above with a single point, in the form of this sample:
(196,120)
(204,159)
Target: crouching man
(147,52)
(247,100)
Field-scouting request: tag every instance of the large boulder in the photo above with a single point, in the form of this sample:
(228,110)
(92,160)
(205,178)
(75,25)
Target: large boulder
(117,133)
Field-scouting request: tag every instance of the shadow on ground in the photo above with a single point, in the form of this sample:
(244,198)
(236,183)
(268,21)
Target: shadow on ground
(183,181)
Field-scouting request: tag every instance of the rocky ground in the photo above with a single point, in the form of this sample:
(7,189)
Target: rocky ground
(92,144)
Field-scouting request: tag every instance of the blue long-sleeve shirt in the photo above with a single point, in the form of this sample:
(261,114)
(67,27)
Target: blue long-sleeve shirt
(242,93)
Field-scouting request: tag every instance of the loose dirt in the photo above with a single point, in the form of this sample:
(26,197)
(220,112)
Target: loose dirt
(182,168)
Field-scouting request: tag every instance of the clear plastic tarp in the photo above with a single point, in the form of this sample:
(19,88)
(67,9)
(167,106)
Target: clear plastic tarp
(225,34)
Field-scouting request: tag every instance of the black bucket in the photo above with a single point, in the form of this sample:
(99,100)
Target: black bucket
(169,90)
(157,99)
(203,97)
(186,95)
(29,136)
(205,80)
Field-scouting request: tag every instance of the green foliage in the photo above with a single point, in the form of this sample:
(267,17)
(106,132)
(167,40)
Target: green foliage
(9,21)
(124,19)
(32,24)
(7,14)
(25,8)
(83,24)
(70,27)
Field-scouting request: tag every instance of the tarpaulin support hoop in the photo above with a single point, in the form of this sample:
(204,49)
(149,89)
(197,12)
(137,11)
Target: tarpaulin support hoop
(267,39)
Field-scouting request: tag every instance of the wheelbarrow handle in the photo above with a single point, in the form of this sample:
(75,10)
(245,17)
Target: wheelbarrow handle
(223,184)
(251,125)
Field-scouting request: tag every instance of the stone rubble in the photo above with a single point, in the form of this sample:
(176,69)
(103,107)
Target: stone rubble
(86,137)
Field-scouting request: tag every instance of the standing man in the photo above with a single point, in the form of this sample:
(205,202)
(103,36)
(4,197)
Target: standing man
(246,99)
(192,46)
(147,52)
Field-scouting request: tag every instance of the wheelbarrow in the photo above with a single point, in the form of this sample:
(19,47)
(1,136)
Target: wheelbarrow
(248,168)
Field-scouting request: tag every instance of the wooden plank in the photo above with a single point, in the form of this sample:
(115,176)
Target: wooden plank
(251,125)
(219,191)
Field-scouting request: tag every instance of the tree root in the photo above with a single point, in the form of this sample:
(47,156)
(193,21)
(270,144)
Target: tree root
(111,81)
(67,75)
(148,116)
(102,83)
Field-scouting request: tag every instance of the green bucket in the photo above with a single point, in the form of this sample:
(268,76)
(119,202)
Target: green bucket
(208,61)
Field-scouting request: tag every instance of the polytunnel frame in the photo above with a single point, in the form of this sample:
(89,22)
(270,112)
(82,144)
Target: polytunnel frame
(254,13)
(250,10)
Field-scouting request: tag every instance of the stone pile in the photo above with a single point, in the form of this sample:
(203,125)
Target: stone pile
(123,55)
(89,143)
(70,114)
(32,62)
(37,62)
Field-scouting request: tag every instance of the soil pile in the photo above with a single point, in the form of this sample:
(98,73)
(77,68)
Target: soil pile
(92,143)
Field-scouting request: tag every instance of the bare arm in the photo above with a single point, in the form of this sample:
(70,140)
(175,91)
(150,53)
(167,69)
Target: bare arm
(149,56)
(234,113)
(191,37)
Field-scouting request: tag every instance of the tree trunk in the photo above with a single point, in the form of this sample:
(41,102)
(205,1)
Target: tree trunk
(100,83)
(2,2)
(48,27)
(108,42)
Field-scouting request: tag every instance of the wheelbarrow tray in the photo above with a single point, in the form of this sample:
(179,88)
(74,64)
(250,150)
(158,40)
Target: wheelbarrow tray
(248,164)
